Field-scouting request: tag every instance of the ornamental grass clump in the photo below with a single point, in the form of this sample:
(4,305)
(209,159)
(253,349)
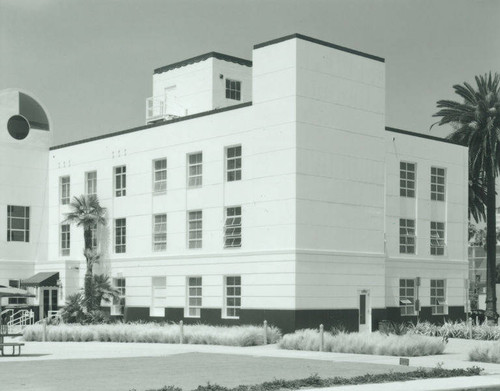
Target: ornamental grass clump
(457,329)
(154,333)
(370,343)
(486,352)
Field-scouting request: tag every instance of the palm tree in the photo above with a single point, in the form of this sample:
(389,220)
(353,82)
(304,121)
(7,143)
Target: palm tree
(86,212)
(476,123)
(103,289)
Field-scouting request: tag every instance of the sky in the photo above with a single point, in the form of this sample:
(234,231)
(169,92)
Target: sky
(90,62)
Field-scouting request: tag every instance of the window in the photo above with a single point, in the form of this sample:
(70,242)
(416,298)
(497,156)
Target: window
(120,235)
(91,183)
(233,296)
(120,181)
(437,183)
(120,286)
(233,165)
(195,169)
(232,228)
(438,297)
(437,238)
(407,236)
(233,89)
(16,300)
(194,297)
(160,232)
(18,223)
(159,176)
(93,236)
(407,179)
(64,189)
(407,296)
(65,239)
(119,303)
(195,229)
(158,296)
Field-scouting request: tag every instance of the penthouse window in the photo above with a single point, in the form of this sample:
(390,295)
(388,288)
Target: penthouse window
(233,89)
(18,223)
(160,232)
(120,174)
(64,189)
(159,176)
(65,239)
(91,183)
(194,297)
(437,238)
(407,173)
(232,227)
(438,176)
(120,235)
(195,169)
(407,236)
(233,163)
(195,229)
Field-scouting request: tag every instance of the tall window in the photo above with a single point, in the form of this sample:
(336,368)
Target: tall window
(438,176)
(159,176)
(233,296)
(195,169)
(119,302)
(120,235)
(195,229)
(407,296)
(64,189)
(407,236)
(233,89)
(120,181)
(194,297)
(232,228)
(16,300)
(158,296)
(93,236)
(65,239)
(160,232)
(233,163)
(407,179)
(18,223)
(91,183)
(438,297)
(437,238)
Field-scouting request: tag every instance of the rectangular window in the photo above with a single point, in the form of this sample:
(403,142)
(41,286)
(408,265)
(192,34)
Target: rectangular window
(438,297)
(65,239)
(119,303)
(407,296)
(120,181)
(16,300)
(438,177)
(18,223)
(160,176)
(160,232)
(233,164)
(158,296)
(91,183)
(437,238)
(93,236)
(195,229)
(232,228)
(407,237)
(120,235)
(64,189)
(407,173)
(233,296)
(195,169)
(233,89)
(194,297)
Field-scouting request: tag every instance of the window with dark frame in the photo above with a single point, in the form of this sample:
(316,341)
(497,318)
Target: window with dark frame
(194,297)
(233,89)
(64,188)
(159,176)
(65,239)
(438,178)
(438,297)
(233,163)
(233,296)
(120,235)
(120,181)
(407,172)
(407,296)
(159,232)
(232,227)
(195,229)
(407,238)
(18,223)
(437,238)
(195,169)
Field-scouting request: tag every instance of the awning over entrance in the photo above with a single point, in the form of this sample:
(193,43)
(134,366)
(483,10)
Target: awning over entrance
(41,279)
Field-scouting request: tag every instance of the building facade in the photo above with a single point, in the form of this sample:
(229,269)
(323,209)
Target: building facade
(264,190)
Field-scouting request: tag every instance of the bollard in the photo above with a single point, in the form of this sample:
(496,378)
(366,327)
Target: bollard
(44,330)
(321,338)
(470,328)
(265,332)
(181,327)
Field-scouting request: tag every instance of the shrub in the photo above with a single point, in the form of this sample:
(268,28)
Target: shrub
(486,353)
(374,343)
(155,333)
(457,330)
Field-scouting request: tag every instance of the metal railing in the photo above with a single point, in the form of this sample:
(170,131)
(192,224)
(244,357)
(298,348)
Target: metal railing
(157,109)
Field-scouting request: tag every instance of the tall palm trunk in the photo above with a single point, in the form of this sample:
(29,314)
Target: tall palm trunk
(491,246)
(89,297)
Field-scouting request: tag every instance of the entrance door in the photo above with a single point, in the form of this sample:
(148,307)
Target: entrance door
(365,318)
(48,302)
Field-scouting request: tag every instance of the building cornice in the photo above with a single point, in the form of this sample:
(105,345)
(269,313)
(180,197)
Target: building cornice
(423,135)
(203,57)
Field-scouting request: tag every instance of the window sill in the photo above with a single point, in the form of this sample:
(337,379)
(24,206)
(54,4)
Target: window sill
(230,317)
(159,193)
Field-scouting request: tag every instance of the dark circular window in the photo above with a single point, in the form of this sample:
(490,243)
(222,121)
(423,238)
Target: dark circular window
(18,127)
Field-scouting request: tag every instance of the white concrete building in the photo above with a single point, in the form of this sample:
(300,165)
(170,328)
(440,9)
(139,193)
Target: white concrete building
(269,189)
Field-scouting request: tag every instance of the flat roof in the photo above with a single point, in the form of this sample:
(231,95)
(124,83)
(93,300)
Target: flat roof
(423,135)
(319,42)
(203,57)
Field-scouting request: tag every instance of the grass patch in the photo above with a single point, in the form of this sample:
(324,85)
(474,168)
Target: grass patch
(460,329)
(374,343)
(486,353)
(315,381)
(154,333)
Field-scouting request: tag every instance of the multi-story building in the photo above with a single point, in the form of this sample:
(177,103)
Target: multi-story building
(264,190)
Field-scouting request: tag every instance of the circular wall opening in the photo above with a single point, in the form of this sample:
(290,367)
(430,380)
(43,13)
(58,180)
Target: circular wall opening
(18,127)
